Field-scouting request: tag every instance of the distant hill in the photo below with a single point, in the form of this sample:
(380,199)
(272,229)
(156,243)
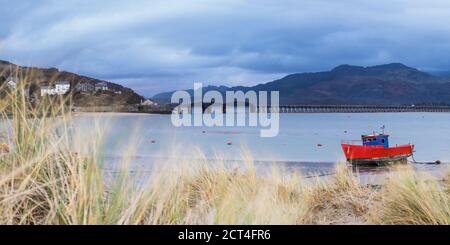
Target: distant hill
(390,84)
(41,76)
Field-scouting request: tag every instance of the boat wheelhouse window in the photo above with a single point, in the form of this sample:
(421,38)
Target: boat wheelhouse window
(382,141)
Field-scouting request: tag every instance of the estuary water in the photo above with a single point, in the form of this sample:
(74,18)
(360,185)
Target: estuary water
(308,142)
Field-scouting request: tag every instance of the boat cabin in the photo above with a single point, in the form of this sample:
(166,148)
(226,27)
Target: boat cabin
(376,140)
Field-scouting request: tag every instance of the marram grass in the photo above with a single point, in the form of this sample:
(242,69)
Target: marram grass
(409,198)
(43,180)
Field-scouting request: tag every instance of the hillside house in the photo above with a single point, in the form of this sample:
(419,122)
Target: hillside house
(12,82)
(62,87)
(85,87)
(102,86)
(47,89)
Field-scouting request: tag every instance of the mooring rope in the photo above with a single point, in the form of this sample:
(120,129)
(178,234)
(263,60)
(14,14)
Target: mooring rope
(416,162)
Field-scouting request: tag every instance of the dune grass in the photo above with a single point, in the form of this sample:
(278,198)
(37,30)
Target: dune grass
(412,198)
(44,180)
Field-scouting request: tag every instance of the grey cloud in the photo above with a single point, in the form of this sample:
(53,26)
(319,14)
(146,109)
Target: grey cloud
(155,46)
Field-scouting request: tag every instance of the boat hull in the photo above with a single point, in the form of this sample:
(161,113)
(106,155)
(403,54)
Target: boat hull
(376,155)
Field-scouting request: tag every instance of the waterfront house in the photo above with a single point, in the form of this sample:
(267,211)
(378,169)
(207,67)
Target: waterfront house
(148,102)
(85,87)
(62,87)
(102,86)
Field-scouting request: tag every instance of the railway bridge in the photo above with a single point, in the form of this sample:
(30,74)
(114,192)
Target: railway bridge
(352,109)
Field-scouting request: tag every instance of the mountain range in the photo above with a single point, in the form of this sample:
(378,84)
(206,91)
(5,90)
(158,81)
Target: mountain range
(389,84)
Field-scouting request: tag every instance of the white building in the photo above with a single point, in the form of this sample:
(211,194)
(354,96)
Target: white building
(11,82)
(47,90)
(62,87)
(148,103)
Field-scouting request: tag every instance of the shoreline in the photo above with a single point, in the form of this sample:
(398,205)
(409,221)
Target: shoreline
(343,112)
(93,113)
(368,175)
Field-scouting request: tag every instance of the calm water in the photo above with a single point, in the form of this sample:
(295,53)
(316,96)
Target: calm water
(154,137)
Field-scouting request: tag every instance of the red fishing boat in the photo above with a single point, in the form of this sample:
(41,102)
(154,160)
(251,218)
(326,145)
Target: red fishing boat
(375,150)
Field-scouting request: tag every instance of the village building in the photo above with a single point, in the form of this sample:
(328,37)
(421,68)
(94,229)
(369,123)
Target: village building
(47,89)
(102,86)
(148,103)
(12,82)
(85,87)
(62,87)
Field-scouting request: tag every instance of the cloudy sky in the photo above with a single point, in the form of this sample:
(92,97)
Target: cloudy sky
(154,46)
